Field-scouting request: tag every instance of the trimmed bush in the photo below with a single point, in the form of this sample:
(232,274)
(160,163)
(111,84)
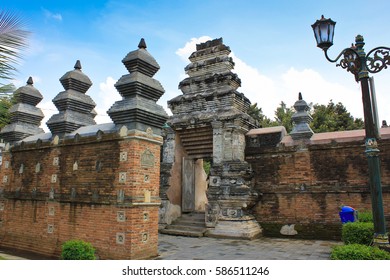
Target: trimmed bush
(365,217)
(358,252)
(77,250)
(359,233)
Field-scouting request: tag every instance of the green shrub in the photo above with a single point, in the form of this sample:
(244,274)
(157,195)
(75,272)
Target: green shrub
(358,252)
(77,250)
(360,233)
(365,217)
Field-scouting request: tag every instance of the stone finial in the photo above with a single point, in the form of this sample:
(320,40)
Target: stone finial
(301,120)
(30,81)
(74,106)
(142,44)
(25,117)
(77,66)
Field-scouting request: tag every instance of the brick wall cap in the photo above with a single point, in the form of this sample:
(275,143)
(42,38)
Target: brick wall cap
(267,130)
(338,137)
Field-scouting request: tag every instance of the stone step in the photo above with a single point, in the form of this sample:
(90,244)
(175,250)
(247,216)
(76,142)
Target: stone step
(186,227)
(190,224)
(190,233)
(199,223)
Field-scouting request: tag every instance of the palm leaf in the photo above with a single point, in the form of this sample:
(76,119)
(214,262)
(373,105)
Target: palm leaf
(13,39)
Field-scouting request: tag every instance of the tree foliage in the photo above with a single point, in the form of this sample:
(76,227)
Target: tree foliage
(333,117)
(283,116)
(257,113)
(13,39)
(6,101)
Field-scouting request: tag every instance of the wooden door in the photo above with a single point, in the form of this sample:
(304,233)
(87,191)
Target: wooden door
(188,185)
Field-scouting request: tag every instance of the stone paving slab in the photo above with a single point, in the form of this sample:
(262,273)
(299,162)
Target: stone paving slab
(206,248)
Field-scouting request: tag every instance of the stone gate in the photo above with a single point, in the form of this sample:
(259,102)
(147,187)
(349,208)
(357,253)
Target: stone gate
(209,123)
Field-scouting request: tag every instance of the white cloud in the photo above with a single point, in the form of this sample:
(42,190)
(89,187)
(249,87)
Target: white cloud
(190,47)
(107,96)
(49,15)
(48,108)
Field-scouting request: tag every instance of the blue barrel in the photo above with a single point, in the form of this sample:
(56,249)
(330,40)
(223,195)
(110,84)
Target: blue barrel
(348,214)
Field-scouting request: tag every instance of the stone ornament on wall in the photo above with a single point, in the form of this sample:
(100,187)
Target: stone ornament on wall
(123,156)
(50,229)
(51,210)
(120,238)
(121,216)
(37,167)
(147,158)
(144,237)
(122,177)
(21,169)
(54,178)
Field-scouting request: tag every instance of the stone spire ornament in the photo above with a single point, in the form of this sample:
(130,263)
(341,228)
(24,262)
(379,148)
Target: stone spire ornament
(25,116)
(76,109)
(140,92)
(301,120)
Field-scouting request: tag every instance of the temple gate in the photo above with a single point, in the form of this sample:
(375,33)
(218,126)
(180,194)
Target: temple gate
(209,123)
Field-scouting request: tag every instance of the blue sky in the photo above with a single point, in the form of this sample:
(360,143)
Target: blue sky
(272,45)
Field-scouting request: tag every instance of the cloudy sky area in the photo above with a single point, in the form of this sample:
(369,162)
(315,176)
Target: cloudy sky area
(272,45)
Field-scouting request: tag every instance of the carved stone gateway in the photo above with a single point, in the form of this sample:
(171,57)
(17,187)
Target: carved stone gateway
(209,122)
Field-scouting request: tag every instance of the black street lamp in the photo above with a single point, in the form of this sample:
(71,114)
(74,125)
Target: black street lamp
(359,64)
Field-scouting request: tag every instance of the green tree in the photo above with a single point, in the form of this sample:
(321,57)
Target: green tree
(333,117)
(6,101)
(257,113)
(283,116)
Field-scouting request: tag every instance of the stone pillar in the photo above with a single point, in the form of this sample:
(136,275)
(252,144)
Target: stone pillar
(301,119)
(74,106)
(168,159)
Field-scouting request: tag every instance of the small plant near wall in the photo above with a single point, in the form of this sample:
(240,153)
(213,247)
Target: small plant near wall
(77,250)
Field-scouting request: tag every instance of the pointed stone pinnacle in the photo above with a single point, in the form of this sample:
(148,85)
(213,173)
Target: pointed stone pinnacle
(142,44)
(77,65)
(300,96)
(30,81)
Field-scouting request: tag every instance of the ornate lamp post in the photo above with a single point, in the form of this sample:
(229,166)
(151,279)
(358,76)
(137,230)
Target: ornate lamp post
(356,61)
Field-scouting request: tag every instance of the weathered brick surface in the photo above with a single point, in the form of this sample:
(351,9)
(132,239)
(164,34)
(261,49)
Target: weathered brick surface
(306,185)
(86,198)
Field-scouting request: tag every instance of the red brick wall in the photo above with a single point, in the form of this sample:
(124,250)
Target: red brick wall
(86,203)
(306,185)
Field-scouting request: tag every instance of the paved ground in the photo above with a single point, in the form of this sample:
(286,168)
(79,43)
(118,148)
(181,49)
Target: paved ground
(189,248)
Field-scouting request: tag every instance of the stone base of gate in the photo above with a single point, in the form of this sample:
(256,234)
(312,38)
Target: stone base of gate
(247,228)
